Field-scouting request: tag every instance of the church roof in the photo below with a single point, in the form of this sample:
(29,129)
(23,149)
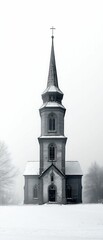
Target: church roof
(73,168)
(32,168)
(52,104)
(52,166)
(52,89)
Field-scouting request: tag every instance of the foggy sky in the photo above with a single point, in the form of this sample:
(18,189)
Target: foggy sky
(25,43)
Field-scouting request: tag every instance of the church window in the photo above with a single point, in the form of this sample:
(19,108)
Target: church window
(52,150)
(51,122)
(35,192)
(52,177)
(69,191)
(51,98)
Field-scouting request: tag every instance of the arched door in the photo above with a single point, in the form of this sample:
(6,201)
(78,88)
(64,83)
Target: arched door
(52,193)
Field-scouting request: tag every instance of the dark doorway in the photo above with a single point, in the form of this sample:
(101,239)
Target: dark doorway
(52,193)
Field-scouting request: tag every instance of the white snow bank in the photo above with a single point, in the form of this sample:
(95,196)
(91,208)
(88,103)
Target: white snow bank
(51,222)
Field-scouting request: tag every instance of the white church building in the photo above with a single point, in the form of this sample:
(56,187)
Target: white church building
(53,179)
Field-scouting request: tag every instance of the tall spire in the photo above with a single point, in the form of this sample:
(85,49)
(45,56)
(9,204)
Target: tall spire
(52,76)
(52,91)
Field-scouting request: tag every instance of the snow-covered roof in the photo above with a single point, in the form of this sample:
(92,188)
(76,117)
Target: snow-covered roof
(32,168)
(52,104)
(73,168)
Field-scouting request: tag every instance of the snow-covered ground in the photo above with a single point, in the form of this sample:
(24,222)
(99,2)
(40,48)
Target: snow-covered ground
(47,222)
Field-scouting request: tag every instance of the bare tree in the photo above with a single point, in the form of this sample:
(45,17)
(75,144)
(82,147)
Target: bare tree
(8,172)
(93,184)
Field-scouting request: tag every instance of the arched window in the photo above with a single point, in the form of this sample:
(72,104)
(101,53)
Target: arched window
(51,122)
(69,191)
(52,152)
(35,191)
(52,177)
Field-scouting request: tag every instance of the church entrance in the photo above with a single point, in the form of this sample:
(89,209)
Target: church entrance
(52,193)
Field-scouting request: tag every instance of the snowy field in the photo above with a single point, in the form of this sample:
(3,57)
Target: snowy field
(52,222)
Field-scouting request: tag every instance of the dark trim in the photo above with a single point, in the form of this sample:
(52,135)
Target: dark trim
(74,175)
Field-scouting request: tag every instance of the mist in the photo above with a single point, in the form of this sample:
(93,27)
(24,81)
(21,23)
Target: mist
(25,42)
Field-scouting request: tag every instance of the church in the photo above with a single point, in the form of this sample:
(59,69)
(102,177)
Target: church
(52,179)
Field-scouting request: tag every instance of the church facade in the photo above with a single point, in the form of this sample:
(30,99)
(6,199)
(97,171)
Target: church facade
(52,179)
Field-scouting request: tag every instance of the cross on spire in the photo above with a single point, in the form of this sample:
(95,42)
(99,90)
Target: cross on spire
(52,28)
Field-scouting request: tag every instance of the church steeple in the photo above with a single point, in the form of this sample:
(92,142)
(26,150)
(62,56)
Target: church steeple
(52,92)
(52,76)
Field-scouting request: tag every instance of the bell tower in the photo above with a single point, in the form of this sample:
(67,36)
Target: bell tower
(52,140)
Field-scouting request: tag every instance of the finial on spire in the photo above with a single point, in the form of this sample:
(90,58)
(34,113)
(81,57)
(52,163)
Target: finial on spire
(52,28)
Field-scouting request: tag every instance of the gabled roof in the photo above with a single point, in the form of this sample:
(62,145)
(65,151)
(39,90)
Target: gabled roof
(32,168)
(52,166)
(73,168)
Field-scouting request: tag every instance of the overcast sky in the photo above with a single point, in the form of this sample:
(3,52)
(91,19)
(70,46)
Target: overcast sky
(25,43)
